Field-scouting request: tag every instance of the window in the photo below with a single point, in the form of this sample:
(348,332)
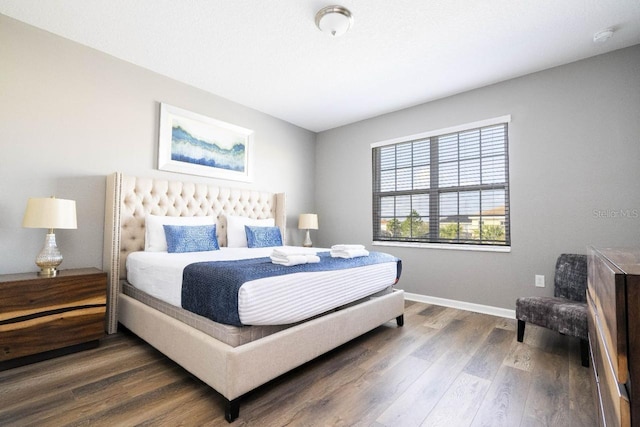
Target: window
(449,186)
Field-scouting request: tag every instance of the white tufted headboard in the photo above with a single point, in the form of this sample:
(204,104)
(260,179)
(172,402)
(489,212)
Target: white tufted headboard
(130,198)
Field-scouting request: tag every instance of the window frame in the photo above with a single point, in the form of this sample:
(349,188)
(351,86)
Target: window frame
(434,211)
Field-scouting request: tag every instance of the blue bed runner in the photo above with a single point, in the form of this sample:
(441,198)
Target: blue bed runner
(211,288)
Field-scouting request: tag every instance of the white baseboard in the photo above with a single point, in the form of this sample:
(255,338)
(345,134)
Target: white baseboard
(469,306)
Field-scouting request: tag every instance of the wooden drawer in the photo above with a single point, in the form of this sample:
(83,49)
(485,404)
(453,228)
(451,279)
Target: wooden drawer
(613,397)
(593,357)
(609,300)
(42,314)
(614,332)
(50,332)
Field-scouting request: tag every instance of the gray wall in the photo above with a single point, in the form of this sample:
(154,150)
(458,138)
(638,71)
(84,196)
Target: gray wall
(574,166)
(70,115)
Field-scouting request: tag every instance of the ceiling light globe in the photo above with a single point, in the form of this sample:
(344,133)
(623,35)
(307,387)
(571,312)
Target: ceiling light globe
(334,20)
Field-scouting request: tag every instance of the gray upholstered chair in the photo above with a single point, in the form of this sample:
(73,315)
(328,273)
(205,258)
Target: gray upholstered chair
(566,311)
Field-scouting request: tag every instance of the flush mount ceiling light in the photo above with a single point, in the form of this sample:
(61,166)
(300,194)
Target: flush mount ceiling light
(603,36)
(335,20)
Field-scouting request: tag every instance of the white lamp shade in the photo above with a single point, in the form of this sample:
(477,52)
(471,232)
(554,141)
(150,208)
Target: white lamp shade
(308,222)
(50,213)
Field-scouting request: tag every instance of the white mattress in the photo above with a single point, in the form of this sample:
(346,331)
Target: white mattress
(269,301)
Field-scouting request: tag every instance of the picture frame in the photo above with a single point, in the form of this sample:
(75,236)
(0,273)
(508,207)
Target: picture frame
(195,144)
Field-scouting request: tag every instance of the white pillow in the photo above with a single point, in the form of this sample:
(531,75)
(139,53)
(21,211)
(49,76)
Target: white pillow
(154,237)
(236,234)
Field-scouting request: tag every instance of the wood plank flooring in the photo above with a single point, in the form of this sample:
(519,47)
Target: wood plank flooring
(445,367)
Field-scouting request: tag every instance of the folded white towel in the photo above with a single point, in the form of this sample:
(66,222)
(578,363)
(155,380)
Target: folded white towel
(351,253)
(347,247)
(292,260)
(284,251)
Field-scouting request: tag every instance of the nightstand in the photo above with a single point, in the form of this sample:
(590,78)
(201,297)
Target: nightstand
(44,317)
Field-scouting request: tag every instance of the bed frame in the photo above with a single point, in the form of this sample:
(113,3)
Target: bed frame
(231,371)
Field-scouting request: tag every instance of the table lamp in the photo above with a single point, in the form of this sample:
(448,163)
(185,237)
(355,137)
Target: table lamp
(50,213)
(308,222)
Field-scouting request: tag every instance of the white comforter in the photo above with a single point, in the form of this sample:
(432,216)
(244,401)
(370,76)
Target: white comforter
(269,301)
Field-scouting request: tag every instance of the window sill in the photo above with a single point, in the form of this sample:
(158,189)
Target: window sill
(445,246)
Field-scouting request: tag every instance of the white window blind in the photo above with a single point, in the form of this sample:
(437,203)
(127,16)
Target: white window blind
(451,188)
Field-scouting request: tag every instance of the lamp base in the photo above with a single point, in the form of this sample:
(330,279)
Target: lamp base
(307,241)
(49,257)
(48,272)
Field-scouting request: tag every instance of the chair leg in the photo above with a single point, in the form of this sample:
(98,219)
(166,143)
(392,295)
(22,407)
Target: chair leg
(521,324)
(584,352)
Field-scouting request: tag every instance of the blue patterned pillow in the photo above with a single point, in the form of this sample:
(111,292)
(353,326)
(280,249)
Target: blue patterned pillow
(191,238)
(263,237)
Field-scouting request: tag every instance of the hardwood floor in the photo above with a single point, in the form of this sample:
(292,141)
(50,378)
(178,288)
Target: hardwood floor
(444,367)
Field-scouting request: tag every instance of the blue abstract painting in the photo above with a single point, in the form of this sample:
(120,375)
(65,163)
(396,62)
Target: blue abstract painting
(200,145)
(187,148)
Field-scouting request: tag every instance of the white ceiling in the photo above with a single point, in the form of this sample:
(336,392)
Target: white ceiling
(269,55)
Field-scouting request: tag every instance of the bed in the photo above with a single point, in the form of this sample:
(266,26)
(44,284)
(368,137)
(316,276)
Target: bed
(242,361)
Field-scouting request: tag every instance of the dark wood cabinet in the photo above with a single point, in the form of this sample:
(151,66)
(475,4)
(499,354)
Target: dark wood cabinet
(613,300)
(42,317)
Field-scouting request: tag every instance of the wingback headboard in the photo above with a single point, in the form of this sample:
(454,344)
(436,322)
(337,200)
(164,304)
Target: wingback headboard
(130,198)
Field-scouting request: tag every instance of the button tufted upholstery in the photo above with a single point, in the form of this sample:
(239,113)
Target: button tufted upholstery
(130,198)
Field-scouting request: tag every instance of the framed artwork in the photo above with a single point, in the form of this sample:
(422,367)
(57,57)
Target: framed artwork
(198,145)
